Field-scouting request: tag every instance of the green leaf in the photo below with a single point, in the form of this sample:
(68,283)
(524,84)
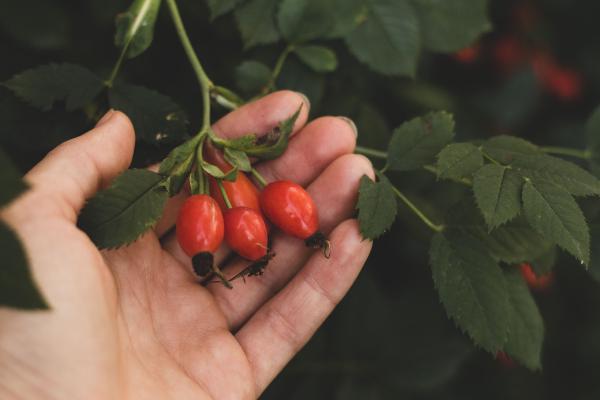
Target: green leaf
(505,149)
(268,146)
(376,206)
(256,23)
(459,160)
(512,243)
(545,262)
(10,180)
(449,26)
(155,117)
(221,7)
(471,288)
(135,27)
(303,20)
(498,194)
(120,214)
(347,16)
(251,77)
(177,156)
(178,165)
(239,143)
(555,215)
(565,174)
(417,142)
(525,326)
(238,159)
(318,58)
(217,173)
(17,286)
(387,40)
(43,86)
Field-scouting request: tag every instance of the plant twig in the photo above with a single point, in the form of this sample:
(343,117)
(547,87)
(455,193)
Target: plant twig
(382,155)
(205,83)
(224,193)
(261,180)
(277,70)
(115,71)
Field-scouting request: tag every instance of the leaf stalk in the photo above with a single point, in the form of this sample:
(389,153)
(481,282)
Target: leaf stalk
(434,227)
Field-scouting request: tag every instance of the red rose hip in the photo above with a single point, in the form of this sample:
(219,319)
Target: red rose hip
(288,206)
(200,231)
(535,282)
(246,232)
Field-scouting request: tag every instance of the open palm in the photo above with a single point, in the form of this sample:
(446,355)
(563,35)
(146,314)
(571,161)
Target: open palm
(134,322)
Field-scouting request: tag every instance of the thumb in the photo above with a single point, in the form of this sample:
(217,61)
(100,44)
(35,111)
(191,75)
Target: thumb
(76,169)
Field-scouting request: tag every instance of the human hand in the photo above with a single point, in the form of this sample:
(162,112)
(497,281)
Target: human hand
(134,322)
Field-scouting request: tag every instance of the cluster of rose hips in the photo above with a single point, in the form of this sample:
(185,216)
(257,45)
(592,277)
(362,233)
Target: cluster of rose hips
(513,50)
(235,212)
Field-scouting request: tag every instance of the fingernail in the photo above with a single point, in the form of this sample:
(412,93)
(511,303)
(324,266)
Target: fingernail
(351,123)
(305,100)
(105,118)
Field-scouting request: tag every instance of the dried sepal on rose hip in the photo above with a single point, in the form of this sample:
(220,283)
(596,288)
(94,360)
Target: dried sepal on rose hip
(246,233)
(289,207)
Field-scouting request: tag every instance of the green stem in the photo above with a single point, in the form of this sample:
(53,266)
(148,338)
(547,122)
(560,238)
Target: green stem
(417,211)
(261,180)
(202,184)
(115,71)
(206,182)
(224,193)
(205,83)
(564,151)
(277,69)
(371,152)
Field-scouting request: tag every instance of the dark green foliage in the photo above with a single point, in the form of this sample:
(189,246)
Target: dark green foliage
(390,339)
(376,206)
(155,117)
(120,214)
(43,86)
(17,287)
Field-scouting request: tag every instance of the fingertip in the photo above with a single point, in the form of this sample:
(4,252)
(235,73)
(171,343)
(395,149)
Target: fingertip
(352,167)
(262,115)
(116,128)
(366,165)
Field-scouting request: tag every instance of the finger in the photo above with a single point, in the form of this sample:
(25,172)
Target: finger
(308,153)
(335,194)
(264,114)
(258,117)
(282,327)
(76,169)
(317,145)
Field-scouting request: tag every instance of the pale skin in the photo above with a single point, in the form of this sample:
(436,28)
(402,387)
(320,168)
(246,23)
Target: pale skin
(134,323)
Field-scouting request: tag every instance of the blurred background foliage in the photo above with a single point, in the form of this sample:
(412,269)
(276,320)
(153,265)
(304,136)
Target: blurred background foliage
(390,338)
